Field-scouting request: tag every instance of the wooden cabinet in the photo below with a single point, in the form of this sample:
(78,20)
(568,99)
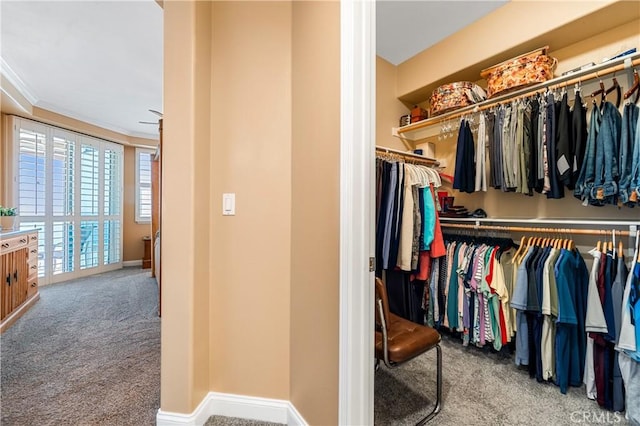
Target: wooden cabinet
(146,259)
(18,275)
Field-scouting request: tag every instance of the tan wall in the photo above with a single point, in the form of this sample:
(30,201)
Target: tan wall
(133,248)
(315,166)
(251,157)
(185,231)
(388,108)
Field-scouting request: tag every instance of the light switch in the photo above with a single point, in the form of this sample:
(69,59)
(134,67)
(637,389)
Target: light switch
(229,204)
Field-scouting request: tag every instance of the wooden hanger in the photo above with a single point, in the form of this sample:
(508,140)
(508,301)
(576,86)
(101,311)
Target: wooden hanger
(599,245)
(520,249)
(616,86)
(601,91)
(620,249)
(610,246)
(635,87)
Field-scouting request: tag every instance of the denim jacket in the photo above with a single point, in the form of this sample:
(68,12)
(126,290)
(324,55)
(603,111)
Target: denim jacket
(587,171)
(635,165)
(629,130)
(605,187)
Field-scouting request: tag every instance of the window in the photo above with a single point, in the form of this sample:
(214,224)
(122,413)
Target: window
(143,185)
(69,186)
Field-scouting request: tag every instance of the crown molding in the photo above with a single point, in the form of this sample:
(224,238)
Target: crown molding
(17,82)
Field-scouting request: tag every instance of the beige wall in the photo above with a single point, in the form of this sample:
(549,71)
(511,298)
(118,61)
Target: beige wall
(315,183)
(388,108)
(133,248)
(181,346)
(251,157)
(243,320)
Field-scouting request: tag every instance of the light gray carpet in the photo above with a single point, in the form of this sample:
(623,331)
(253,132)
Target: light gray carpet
(232,421)
(479,389)
(87,353)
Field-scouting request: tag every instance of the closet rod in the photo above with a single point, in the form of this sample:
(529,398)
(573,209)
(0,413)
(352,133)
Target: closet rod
(532,229)
(408,155)
(558,82)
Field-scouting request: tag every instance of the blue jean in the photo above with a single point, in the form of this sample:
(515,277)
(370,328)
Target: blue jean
(634,184)
(605,186)
(629,123)
(587,172)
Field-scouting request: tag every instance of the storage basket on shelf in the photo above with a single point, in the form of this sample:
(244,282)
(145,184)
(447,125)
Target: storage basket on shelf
(418,114)
(456,95)
(527,69)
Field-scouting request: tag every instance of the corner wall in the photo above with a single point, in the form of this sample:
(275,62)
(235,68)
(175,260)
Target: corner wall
(315,221)
(185,316)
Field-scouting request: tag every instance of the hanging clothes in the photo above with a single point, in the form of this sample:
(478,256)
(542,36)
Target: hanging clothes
(464,176)
(628,140)
(407,232)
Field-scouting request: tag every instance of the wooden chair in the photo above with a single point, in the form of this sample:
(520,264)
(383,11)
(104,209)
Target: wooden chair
(399,340)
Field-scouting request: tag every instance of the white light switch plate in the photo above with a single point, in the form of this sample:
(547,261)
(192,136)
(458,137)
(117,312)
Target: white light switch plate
(229,204)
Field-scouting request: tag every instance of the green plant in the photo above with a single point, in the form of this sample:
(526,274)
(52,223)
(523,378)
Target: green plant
(8,211)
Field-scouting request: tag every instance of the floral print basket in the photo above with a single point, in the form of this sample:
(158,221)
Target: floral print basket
(455,95)
(530,68)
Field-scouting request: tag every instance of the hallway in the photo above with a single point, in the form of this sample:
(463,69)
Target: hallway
(88,352)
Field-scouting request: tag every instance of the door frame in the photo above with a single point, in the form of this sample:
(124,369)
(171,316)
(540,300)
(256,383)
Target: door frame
(357,210)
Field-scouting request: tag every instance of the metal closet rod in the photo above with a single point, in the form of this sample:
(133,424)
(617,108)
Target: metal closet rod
(550,84)
(408,155)
(575,231)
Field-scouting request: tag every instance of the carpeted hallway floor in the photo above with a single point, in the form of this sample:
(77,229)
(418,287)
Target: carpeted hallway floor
(87,353)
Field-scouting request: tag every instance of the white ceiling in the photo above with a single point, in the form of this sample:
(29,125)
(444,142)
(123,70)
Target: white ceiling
(405,28)
(97,61)
(101,61)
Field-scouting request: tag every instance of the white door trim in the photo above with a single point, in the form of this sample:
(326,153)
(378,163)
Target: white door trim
(357,150)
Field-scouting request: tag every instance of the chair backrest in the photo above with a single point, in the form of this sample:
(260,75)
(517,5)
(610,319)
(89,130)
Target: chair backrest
(381,294)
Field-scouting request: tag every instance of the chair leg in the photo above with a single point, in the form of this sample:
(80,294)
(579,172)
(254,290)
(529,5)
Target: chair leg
(437,408)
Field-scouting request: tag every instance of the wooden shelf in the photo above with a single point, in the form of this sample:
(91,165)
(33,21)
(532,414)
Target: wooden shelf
(423,129)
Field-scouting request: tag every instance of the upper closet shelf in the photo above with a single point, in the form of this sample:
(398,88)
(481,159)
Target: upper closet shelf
(423,129)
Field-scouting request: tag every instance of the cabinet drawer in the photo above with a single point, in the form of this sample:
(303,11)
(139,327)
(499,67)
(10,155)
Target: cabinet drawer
(32,287)
(32,271)
(33,252)
(14,243)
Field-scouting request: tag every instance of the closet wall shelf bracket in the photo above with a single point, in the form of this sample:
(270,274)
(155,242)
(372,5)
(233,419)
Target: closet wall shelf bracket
(422,129)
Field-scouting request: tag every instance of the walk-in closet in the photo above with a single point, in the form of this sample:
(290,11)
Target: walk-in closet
(507,221)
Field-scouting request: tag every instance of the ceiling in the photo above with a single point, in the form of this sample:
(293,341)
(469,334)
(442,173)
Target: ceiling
(96,61)
(101,61)
(405,28)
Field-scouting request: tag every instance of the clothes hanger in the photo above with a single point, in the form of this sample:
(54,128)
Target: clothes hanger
(620,249)
(635,87)
(601,91)
(520,248)
(599,245)
(616,86)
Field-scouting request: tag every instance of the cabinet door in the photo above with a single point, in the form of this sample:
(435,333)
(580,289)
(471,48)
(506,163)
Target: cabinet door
(6,260)
(21,273)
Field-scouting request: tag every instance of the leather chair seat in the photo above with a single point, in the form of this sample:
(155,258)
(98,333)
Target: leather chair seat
(406,339)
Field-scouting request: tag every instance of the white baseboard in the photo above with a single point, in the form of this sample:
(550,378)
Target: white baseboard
(132,263)
(229,405)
